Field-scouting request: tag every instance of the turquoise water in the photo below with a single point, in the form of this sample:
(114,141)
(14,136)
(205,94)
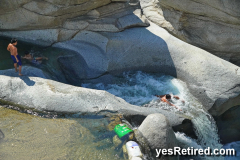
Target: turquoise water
(138,88)
(84,139)
(28,137)
(236,146)
(51,65)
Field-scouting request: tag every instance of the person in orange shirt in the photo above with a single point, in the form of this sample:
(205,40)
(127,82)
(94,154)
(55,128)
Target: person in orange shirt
(165,98)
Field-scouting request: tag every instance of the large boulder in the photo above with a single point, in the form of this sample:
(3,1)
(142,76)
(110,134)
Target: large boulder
(31,14)
(212,25)
(159,134)
(49,22)
(48,95)
(153,49)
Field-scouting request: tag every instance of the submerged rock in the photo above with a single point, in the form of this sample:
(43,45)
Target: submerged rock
(159,134)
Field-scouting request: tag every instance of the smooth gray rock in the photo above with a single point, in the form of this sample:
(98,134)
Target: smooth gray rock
(48,95)
(44,37)
(212,25)
(37,15)
(27,71)
(74,74)
(91,48)
(215,82)
(49,22)
(159,134)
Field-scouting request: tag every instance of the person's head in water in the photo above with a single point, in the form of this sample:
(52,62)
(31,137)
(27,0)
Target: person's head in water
(168,96)
(14,41)
(27,53)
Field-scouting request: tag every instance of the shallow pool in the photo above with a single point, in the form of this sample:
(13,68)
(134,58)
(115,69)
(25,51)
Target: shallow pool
(32,137)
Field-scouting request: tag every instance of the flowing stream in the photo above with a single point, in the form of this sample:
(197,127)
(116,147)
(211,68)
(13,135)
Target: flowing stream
(30,136)
(139,88)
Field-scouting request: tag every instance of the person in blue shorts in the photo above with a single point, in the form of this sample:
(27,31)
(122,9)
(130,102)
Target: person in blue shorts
(14,55)
(34,60)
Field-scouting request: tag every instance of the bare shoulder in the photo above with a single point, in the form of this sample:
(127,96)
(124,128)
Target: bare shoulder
(9,45)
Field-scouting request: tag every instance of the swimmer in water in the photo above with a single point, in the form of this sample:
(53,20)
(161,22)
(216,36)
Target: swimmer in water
(35,60)
(14,55)
(165,98)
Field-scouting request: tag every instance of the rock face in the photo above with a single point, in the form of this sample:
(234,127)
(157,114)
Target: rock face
(156,129)
(153,49)
(52,21)
(212,25)
(74,74)
(229,125)
(47,95)
(31,14)
(90,29)
(27,71)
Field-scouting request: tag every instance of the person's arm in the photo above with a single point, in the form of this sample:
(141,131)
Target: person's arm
(38,58)
(15,54)
(173,105)
(160,96)
(176,97)
(41,58)
(8,48)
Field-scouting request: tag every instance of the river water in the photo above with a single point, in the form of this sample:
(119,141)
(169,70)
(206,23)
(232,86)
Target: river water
(139,88)
(30,136)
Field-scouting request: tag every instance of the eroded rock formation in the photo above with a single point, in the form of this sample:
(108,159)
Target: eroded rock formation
(212,25)
(51,21)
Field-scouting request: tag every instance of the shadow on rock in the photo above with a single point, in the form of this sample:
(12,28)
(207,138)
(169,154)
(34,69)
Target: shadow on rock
(27,80)
(1,135)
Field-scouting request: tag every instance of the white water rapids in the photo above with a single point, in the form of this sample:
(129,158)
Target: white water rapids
(139,88)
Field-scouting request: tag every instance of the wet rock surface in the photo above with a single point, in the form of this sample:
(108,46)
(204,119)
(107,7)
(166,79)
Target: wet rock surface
(159,134)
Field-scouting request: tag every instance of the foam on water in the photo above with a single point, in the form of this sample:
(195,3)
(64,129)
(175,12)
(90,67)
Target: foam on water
(233,145)
(139,89)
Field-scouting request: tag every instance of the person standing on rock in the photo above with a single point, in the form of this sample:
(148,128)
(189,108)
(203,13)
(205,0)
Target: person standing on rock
(165,98)
(14,55)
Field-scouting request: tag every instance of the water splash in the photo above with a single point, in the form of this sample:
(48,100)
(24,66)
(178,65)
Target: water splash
(139,89)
